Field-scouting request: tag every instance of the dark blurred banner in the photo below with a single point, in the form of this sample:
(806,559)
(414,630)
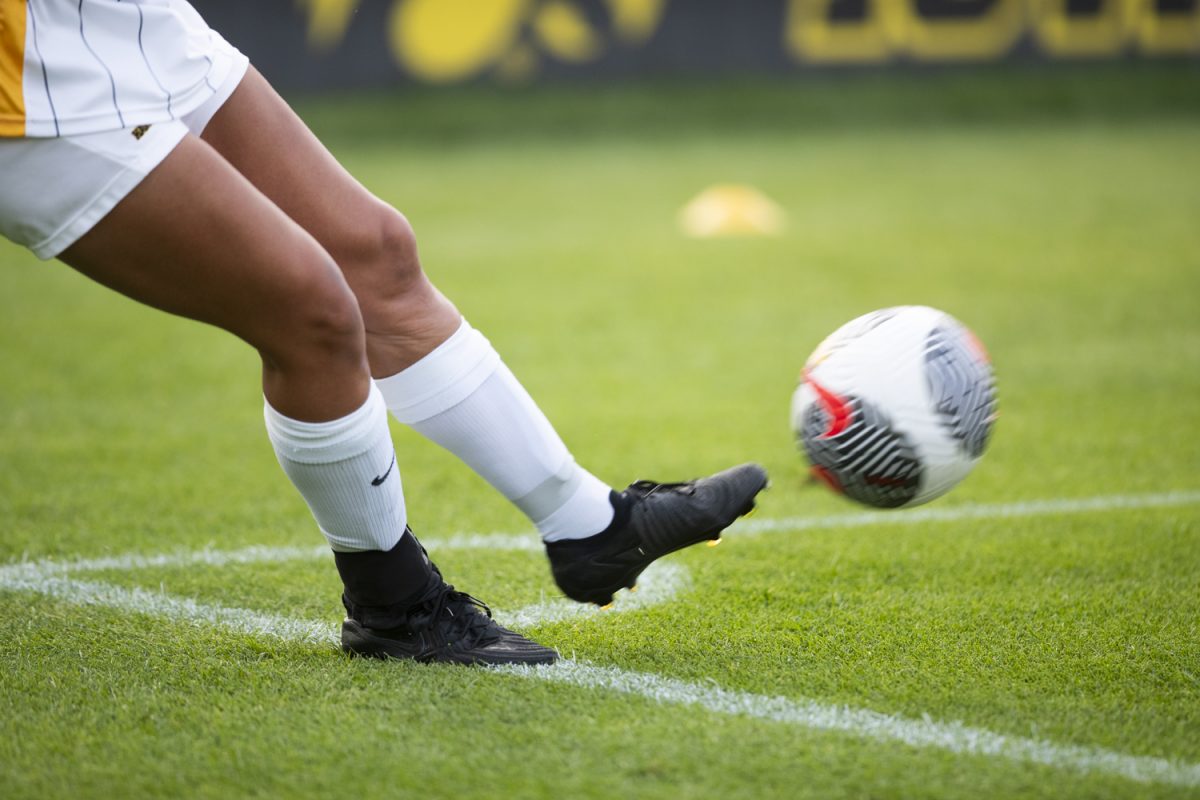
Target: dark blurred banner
(341,43)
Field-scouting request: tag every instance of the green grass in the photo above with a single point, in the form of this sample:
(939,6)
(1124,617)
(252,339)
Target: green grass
(1057,214)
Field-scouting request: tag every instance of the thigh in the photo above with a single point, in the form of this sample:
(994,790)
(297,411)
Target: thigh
(260,135)
(196,239)
(372,244)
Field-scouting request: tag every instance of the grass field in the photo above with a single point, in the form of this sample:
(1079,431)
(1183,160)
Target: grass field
(1017,641)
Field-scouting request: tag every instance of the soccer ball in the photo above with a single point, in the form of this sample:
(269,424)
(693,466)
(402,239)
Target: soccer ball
(895,407)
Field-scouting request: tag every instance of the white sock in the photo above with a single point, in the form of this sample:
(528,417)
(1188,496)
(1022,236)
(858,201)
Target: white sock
(346,471)
(463,397)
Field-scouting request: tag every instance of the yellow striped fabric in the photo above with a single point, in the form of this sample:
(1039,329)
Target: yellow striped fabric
(12,67)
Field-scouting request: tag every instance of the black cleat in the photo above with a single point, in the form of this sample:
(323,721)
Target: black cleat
(652,520)
(446,626)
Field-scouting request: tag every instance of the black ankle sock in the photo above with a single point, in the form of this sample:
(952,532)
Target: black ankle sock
(381,584)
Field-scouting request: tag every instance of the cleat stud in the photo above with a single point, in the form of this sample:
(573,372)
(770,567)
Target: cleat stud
(607,606)
(713,542)
(633,589)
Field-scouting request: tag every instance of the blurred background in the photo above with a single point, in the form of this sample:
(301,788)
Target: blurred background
(328,44)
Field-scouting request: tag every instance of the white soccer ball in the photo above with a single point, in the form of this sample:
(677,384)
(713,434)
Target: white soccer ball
(895,407)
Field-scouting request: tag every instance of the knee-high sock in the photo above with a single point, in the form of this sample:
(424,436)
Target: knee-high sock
(464,398)
(347,473)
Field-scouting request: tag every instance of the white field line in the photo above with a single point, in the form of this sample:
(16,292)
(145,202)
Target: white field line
(658,584)
(950,736)
(953,737)
(51,578)
(27,571)
(158,604)
(254,554)
(519,542)
(917,516)
(528,542)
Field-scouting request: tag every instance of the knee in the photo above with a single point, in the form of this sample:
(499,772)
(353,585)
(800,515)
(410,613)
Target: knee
(380,260)
(319,323)
(398,245)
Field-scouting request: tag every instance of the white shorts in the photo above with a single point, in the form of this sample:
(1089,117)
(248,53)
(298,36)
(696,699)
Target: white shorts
(52,191)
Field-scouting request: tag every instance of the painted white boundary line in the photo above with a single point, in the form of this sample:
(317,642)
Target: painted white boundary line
(27,571)
(916,516)
(951,736)
(659,584)
(528,542)
(181,609)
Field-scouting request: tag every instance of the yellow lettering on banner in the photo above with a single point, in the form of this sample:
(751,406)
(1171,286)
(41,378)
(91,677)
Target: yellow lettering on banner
(12,67)
(327,21)
(810,34)
(1061,33)
(987,35)
(450,40)
(565,33)
(635,21)
(1163,33)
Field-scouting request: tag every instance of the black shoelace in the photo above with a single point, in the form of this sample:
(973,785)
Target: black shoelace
(472,628)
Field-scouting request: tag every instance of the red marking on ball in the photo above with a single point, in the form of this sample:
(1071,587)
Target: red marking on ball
(837,407)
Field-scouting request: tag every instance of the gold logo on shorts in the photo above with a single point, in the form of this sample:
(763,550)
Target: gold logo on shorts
(140,131)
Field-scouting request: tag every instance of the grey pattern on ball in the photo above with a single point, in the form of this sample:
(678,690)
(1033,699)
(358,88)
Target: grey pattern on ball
(962,388)
(869,460)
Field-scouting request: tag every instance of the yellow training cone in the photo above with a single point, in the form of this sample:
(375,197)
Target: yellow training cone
(731,210)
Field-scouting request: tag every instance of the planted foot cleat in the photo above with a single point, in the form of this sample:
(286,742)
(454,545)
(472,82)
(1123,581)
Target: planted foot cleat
(652,520)
(447,626)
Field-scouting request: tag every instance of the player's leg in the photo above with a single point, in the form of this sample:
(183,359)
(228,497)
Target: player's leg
(444,378)
(196,239)
(438,374)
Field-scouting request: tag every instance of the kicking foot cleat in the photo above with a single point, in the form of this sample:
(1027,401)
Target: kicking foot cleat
(652,520)
(445,626)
